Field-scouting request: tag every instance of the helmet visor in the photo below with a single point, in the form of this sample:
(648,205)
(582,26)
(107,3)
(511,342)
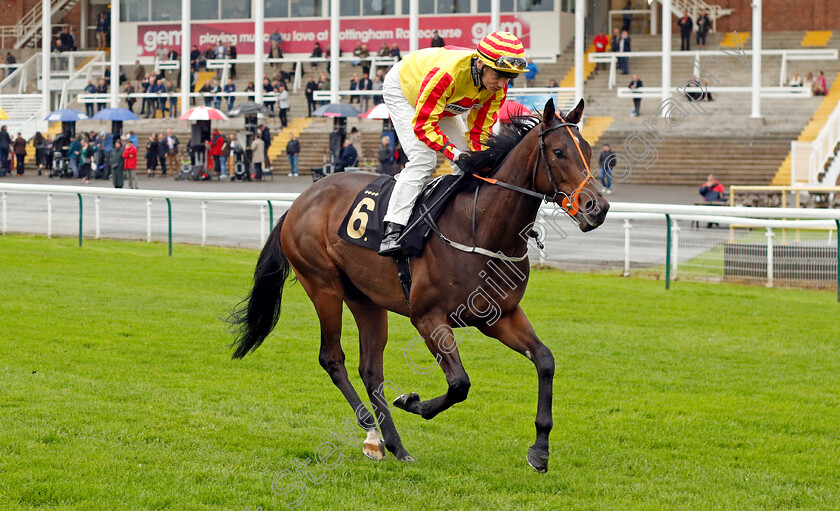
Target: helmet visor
(510,63)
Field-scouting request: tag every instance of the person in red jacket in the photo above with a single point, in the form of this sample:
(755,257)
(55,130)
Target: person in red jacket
(601,43)
(217,142)
(130,163)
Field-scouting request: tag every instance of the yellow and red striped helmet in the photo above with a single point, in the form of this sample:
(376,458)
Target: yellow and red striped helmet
(503,52)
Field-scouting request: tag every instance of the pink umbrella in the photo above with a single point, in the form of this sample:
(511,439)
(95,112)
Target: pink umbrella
(512,109)
(380,111)
(203,113)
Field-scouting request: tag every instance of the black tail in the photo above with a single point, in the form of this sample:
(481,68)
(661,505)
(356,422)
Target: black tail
(255,316)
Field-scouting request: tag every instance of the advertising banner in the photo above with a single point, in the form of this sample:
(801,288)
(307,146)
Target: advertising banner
(299,36)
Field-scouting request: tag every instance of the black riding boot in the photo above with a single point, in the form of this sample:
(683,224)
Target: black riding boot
(389,246)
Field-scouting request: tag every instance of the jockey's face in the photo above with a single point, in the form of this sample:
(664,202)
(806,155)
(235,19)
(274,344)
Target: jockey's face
(492,81)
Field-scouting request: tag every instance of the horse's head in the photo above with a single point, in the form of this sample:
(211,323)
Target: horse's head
(562,169)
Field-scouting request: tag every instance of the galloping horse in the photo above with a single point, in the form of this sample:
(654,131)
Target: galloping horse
(545,158)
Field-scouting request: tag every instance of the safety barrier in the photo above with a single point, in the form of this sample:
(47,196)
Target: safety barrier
(655,239)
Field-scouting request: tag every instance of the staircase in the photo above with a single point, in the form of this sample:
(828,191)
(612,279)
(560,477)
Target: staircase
(29,26)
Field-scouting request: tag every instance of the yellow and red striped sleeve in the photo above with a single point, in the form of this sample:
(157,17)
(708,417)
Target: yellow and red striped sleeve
(436,89)
(481,120)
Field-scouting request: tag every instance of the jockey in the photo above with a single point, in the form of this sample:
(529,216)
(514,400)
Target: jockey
(426,94)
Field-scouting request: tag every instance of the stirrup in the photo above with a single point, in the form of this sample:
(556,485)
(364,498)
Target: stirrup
(390,241)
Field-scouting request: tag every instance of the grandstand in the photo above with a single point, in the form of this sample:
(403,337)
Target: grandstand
(724,139)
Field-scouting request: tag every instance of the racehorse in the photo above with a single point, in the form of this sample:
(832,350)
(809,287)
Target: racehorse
(544,159)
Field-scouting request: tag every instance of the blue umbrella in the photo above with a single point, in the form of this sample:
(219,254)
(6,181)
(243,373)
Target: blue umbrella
(66,115)
(116,114)
(336,110)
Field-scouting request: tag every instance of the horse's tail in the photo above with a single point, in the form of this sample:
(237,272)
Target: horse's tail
(255,316)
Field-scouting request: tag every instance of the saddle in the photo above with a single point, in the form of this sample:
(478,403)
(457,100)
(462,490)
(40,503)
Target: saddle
(364,223)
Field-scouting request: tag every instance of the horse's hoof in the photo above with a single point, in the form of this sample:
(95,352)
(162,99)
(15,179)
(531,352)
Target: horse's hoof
(374,451)
(538,460)
(407,457)
(407,402)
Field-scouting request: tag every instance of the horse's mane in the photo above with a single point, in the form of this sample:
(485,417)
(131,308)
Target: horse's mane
(499,146)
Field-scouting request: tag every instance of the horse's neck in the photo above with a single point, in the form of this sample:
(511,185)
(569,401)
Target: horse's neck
(502,214)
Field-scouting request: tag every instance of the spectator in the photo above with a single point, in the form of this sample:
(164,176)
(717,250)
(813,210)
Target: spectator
(601,42)
(90,88)
(19,148)
(354,85)
(133,138)
(324,84)
(355,138)
(117,164)
(704,24)
(68,40)
(102,31)
(712,190)
(795,80)
(357,52)
(364,85)
(258,157)
(809,82)
(637,101)
(209,53)
(151,155)
(217,142)
(162,151)
(627,17)
(170,149)
(230,87)
(75,153)
(624,47)
(102,89)
(686,26)
(161,91)
(384,51)
(5,147)
(129,89)
(173,100)
(531,71)
(616,37)
(311,87)
(395,51)
(385,157)
(552,83)
(348,157)
(40,144)
(607,163)
(205,93)
(282,104)
(50,152)
(276,51)
(195,57)
(10,59)
(232,53)
(437,40)
(85,159)
(820,85)
(265,134)
(250,88)
(139,71)
(173,54)
(216,90)
(130,163)
(377,86)
(317,53)
(293,150)
(698,96)
(145,84)
(365,56)
(225,157)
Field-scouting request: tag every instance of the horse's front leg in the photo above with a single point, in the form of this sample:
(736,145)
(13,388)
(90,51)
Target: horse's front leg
(437,335)
(516,332)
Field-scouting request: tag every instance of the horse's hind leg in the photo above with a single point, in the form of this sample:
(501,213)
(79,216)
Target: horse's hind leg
(327,296)
(372,322)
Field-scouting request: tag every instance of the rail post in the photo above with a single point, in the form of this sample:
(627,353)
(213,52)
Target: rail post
(627,227)
(80,218)
(4,213)
(770,235)
(96,215)
(262,225)
(49,215)
(148,220)
(668,251)
(169,215)
(676,240)
(203,223)
(836,222)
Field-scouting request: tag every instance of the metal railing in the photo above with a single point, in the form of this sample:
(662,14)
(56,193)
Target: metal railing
(84,74)
(648,239)
(808,159)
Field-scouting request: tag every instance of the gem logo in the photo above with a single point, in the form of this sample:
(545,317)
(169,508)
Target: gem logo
(479,30)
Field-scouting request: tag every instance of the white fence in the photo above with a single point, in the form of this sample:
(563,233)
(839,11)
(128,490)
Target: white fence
(671,242)
(808,158)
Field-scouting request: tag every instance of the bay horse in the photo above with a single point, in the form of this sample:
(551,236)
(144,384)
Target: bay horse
(545,158)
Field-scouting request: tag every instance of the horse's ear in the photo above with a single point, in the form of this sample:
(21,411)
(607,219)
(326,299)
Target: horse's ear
(576,115)
(548,112)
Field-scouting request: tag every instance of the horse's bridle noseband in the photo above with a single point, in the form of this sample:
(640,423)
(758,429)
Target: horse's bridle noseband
(570,203)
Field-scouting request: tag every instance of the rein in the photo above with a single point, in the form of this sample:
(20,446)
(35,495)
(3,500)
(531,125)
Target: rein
(570,203)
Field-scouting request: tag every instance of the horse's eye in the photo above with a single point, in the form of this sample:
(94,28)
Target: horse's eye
(559,153)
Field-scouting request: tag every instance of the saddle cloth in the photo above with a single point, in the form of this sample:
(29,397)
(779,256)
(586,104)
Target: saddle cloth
(363,224)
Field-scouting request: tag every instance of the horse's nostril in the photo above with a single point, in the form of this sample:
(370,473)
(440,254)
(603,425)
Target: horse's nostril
(590,206)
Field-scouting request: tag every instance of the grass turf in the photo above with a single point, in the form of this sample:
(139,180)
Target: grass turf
(118,392)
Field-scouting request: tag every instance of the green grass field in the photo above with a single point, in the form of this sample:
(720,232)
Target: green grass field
(117,391)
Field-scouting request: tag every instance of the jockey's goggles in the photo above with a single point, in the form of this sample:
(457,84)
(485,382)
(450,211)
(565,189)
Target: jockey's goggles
(506,63)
